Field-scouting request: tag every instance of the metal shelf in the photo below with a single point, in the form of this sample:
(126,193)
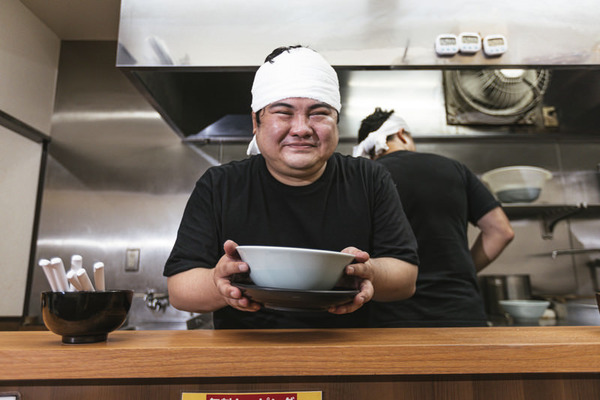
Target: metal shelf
(551,214)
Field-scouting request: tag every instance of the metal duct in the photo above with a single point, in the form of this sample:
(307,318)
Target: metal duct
(194,59)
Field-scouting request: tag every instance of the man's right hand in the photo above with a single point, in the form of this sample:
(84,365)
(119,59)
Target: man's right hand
(228,265)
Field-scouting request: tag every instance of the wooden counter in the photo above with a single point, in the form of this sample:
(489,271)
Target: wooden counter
(344,364)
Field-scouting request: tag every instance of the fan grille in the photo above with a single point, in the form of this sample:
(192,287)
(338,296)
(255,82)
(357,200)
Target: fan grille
(501,92)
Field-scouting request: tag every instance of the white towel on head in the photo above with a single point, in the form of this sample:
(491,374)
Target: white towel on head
(377,140)
(253,147)
(299,72)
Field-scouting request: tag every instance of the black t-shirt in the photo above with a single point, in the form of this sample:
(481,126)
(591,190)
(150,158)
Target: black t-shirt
(354,203)
(440,197)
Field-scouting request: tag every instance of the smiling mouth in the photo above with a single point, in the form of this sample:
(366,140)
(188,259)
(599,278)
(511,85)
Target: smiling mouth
(300,145)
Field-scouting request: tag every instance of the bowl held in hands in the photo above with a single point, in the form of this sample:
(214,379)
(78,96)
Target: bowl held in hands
(294,268)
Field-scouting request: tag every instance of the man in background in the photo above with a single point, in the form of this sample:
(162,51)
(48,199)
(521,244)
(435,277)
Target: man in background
(440,197)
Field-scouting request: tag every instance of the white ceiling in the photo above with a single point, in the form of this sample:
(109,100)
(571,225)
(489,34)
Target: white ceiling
(79,19)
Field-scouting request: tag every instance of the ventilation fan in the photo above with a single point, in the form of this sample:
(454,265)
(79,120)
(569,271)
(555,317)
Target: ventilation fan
(494,96)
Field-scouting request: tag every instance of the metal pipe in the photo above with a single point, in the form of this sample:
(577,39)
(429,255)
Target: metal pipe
(556,253)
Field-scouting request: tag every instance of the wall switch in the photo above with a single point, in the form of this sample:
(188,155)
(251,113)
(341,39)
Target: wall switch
(132,260)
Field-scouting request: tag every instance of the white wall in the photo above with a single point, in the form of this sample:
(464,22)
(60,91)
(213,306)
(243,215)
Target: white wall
(19,170)
(29,53)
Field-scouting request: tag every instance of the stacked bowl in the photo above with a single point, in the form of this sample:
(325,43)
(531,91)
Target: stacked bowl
(290,278)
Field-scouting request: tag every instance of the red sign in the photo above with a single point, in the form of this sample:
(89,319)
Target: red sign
(253,396)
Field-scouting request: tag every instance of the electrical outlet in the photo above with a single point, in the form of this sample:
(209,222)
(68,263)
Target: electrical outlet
(132,260)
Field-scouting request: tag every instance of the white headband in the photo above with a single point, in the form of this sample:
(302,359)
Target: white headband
(298,72)
(377,140)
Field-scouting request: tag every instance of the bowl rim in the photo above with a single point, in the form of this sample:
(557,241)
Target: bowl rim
(66,292)
(524,302)
(546,173)
(294,249)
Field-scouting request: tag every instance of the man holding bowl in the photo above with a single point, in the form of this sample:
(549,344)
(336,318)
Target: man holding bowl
(296,192)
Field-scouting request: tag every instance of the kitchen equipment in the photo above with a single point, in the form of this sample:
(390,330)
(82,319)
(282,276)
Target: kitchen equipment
(594,267)
(517,184)
(294,268)
(346,46)
(446,44)
(469,42)
(525,311)
(577,311)
(507,96)
(494,45)
(85,317)
(503,287)
(582,312)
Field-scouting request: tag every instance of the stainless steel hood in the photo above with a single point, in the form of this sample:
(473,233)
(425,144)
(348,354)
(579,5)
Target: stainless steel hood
(194,59)
(367,33)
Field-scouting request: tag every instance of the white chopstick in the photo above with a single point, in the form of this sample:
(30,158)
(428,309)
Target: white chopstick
(99,276)
(49,272)
(84,279)
(74,280)
(76,262)
(60,275)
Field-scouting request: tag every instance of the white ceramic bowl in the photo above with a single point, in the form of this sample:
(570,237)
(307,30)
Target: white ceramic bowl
(517,184)
(525,310)
(294,268)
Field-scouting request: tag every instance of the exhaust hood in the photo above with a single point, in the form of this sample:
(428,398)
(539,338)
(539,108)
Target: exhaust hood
(194,60)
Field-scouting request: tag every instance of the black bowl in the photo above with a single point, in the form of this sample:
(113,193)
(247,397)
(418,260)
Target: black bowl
(85,317)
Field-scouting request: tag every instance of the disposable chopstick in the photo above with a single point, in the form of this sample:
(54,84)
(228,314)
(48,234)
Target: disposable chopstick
(60,275)
(99,276)
(74,280)
(49,272)
(84,279)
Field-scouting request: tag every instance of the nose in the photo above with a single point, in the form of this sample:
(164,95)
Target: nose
(301,126)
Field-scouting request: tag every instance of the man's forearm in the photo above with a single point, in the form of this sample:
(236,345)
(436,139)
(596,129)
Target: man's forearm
(194,290)
(394,279)
(496,234)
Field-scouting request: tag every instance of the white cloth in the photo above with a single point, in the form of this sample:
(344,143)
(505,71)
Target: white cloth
(377,140)
(299,72)
(253,147)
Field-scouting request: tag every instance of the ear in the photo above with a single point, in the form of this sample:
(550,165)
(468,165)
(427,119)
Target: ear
(401,136)
(254,125)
